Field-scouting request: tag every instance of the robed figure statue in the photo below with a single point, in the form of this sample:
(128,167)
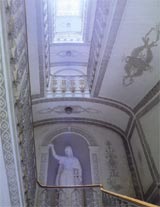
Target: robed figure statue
(69,174)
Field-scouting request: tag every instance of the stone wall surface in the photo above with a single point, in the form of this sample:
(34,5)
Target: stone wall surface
(17,77)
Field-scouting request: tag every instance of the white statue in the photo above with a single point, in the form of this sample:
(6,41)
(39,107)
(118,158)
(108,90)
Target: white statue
(69,171)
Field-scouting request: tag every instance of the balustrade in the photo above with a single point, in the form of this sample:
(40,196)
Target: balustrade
(68,85)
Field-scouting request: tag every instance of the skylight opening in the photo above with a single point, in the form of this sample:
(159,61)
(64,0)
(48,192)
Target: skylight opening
(68,7)
(68,21)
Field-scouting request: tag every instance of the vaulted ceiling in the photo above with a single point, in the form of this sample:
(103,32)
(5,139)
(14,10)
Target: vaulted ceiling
(119,58)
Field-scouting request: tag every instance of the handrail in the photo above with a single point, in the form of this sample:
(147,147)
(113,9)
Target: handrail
(129,199)
(71,186)
(119,196)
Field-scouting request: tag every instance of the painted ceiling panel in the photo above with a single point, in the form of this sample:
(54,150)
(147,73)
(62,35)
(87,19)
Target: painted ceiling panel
(133,67)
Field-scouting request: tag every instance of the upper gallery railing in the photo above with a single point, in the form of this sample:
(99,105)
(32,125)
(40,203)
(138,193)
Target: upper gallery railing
(68,85)
(83,196)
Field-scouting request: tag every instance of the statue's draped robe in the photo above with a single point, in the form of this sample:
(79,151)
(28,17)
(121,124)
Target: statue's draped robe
(69,174)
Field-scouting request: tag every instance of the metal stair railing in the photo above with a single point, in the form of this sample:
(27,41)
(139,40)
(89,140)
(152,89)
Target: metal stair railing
(83,196)
(111,199)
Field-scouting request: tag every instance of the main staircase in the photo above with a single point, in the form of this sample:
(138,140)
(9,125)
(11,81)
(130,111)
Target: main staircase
(83,196)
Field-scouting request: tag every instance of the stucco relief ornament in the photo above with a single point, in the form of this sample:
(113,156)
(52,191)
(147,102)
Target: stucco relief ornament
(112,164)
(141,57)
(65,109)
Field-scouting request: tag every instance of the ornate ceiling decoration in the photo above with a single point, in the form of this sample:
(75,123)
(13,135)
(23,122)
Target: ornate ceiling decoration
(106,62)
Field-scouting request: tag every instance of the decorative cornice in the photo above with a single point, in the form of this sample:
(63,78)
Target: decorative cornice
(97,38)
(148,107)
(6,139)
(40,35)
(110,43)
(107,102)
(81,121)
(129,125)
(116,102)
(55,64)
(153,92)
(147,152)
(69,44)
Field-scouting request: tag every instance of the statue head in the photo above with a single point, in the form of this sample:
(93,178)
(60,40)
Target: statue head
(68,151)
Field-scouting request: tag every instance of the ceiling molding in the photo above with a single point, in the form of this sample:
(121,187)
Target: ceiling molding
(70,44)
(110,43)
(39,12)
(102,11)
(68,64)
(81,121)
(148,107)
(129,125)
(116,102)
(150,95)
(108,102)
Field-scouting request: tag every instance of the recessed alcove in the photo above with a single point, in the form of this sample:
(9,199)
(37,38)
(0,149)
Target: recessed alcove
(80,150)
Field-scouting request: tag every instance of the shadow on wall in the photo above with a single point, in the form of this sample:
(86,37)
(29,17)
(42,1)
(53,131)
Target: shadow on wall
(80,151)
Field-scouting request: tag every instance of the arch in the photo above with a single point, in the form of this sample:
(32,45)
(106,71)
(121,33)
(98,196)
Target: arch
(68,120)
(61,138)
(61,70)
(52,135)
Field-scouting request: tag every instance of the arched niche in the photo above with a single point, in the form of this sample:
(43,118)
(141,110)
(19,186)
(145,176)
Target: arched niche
(84,148)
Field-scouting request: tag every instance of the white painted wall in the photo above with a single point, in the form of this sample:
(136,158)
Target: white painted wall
(141,162)
(150,125)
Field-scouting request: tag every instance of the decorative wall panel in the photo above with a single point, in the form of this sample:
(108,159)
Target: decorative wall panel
(150,125)
(141,162)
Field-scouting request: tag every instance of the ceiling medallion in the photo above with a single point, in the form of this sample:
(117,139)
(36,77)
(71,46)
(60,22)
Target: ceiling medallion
(68,53)
(68,110)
